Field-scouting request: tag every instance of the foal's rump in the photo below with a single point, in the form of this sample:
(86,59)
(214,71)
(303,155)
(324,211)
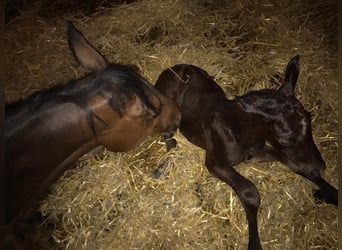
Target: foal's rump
(186,84)
(180,79)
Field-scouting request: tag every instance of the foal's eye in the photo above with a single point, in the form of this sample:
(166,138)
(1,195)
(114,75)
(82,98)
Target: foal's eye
(290,142)
(289,107)
(287,139)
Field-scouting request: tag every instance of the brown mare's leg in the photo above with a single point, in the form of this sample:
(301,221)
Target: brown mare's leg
(247,193)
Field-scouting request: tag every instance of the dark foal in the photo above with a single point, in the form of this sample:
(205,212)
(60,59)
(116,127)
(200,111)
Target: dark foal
(232,131)
(47,132)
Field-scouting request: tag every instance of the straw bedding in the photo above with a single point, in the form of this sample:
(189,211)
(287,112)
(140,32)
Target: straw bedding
(109,201)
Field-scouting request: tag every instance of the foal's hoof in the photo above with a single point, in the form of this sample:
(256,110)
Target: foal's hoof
(170,143)
(156,174)
(321,197)
(161,171)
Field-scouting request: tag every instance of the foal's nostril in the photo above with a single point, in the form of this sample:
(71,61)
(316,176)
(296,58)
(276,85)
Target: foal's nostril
(319,166)
(322,165)
(314,174)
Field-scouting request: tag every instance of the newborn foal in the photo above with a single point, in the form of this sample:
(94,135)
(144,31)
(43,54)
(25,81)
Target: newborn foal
(232,131)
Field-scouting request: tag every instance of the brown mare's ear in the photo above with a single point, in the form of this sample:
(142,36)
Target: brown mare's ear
(291,76)
(85,54)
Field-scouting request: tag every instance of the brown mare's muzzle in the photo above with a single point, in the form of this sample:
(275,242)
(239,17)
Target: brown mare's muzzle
(175,119)
(172,127)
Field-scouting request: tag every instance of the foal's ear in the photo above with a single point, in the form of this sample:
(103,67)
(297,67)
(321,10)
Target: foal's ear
(291,76)
(85,54)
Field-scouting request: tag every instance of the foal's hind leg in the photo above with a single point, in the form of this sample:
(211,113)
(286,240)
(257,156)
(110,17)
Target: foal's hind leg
(222,153)
(247,193)
(169,143)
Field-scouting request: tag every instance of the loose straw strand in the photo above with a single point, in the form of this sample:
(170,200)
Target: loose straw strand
(179,78)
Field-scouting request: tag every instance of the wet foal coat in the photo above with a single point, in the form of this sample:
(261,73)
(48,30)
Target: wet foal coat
(232,131)
(48,131)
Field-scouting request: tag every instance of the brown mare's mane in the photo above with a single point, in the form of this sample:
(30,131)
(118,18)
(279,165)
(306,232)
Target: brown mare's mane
(118,84)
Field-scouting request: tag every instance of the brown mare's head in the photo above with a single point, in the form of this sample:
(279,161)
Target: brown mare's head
(135,98)
(47,132)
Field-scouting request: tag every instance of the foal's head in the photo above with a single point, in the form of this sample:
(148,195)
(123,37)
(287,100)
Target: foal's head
(288,124)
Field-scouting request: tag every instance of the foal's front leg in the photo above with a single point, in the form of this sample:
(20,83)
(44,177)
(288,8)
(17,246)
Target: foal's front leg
(326,192)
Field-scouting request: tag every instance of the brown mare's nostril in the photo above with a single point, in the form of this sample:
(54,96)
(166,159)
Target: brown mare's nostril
(172,128)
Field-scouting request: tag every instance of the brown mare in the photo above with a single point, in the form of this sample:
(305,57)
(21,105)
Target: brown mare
(232,131)
(46,133)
